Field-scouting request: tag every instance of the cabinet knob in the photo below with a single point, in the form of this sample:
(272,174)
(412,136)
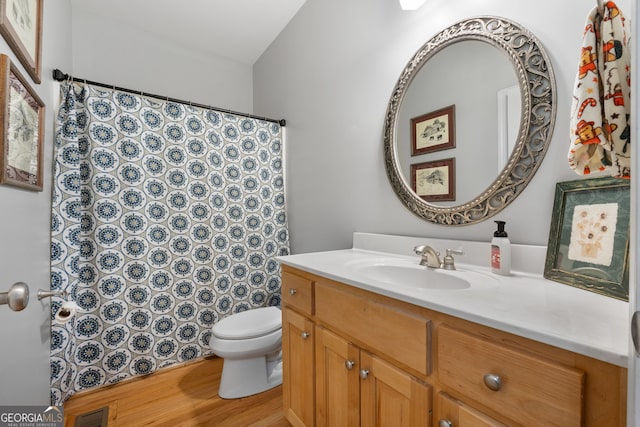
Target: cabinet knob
(364,373)
(305,335)
(292,291)
(349,364)
(445,423)
(493,382)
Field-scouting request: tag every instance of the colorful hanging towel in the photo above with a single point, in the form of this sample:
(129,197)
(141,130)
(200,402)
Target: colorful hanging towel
(600,131)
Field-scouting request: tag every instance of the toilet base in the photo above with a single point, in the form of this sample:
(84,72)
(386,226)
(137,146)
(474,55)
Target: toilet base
(245,377)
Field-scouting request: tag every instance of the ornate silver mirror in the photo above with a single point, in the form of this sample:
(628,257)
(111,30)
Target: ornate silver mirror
(456,150)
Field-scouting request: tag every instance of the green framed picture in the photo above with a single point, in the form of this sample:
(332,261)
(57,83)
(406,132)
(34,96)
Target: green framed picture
(589,236)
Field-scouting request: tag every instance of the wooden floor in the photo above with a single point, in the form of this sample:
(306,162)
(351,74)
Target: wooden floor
(179,397)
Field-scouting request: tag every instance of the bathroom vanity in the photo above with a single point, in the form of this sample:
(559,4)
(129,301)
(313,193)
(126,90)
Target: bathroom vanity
(361,347)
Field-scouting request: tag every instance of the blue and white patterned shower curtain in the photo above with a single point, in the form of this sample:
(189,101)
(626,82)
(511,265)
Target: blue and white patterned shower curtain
(165,219)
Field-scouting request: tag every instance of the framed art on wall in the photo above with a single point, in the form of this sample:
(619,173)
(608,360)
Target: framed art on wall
(589,236)
(21,27)
(22,126)
(435,180)
(433,131)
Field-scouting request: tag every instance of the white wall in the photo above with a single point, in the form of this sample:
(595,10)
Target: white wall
(111,51)
(330,74)
(24,238)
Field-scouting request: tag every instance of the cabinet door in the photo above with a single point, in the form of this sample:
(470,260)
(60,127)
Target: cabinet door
(337,386)
(453,413)
(391,397)
(298,385)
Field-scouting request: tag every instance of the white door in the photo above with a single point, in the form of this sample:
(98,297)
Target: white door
(25,334)
(25,218)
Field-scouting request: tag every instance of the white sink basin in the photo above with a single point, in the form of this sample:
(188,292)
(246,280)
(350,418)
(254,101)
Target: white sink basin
(401,273)
(413,276)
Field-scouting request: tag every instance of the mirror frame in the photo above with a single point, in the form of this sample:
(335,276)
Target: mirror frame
(538,111)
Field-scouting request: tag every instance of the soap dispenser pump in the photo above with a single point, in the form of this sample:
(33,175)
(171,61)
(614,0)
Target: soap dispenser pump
(501,251)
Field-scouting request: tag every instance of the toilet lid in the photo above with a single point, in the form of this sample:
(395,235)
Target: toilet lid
(249,324)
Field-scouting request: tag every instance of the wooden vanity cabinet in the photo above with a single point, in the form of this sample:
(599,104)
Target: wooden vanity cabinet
(357,388)
(298,349)
(353,386)
(423,367)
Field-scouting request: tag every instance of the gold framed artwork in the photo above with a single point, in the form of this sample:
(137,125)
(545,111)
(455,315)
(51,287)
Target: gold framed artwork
(589,236)
(22,126)
(433,131)
(21,27)
(434,180)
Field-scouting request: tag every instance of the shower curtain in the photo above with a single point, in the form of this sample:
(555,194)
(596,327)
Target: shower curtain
(165,219)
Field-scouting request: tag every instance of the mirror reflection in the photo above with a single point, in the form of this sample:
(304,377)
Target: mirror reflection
(477,79)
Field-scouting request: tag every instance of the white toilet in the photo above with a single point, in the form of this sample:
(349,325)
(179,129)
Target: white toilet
(250,342)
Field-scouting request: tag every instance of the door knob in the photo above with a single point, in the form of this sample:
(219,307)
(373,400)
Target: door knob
(364,373)
(349,364)
(304,335)
(17,297)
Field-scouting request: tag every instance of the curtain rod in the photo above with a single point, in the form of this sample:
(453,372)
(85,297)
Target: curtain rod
(60,76)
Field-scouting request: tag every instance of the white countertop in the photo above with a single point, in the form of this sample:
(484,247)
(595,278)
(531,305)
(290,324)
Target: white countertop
(524,303)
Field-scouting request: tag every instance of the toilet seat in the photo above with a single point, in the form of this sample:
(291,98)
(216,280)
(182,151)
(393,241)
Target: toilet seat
(249,324)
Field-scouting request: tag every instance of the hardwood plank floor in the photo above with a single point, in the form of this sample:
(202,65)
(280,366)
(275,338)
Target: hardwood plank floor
(182,396)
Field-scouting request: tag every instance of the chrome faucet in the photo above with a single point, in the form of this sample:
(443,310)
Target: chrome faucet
(430,258)
(448,263)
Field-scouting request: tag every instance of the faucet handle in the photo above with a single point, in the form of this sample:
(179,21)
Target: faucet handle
(448,263)
(455,252)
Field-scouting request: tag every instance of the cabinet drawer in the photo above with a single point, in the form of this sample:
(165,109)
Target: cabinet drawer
(532,391)
(297,291)
(403,336)
(458,414)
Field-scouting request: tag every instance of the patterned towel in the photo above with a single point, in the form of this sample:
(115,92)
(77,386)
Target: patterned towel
(600,131)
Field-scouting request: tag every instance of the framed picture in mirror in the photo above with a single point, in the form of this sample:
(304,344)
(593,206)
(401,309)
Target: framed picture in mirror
(22,125)
(433,131)
(589,236)
(435,180)
(21,27)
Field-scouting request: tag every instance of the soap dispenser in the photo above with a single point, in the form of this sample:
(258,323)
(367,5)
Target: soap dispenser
(500,251)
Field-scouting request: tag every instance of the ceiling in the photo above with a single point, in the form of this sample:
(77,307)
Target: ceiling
(240,30)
